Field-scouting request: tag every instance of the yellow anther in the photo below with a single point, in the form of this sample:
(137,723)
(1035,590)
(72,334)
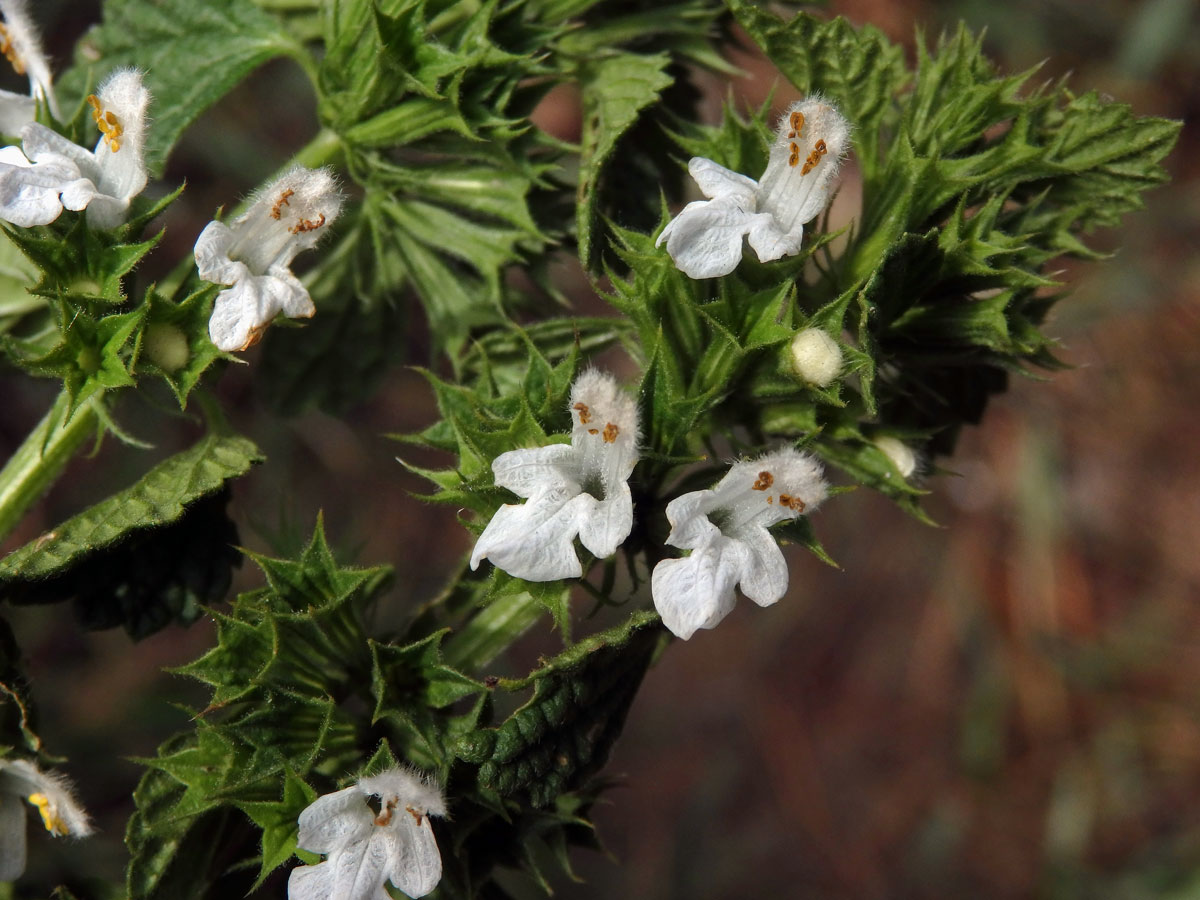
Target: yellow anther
(53,823)
(819,150)
(108,123)
(277,209)
(10,52)
(308,224)
(797,123)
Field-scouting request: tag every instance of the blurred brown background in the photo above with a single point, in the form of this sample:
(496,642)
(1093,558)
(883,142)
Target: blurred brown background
(1006,706)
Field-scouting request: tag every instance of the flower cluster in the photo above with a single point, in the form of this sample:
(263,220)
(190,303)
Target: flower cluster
(705,239)
(582,489)
(48,173)
(365,848)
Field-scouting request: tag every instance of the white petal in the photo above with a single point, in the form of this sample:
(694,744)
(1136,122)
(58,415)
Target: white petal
(527,471)
(354,873)
(16,111)
(123,172)
(78,193)
(604,524)
(705,239)
(770,243)
(287,294)
(414,863)
(803,163)
(764,576)
(12,837)
(43,145)
(242,313)
(29,195)
(334,820)
(311,882)
(535,540)
(690,527)
(697,591)
(212,255)
(717,181)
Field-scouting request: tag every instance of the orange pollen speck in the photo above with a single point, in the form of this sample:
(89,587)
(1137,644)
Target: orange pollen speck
(307,225)
(107,122)
(610,433)
(10,52)
(765,480)
(277,209)
(797,123)
(385,814)
(795,155)
(593,431)
(585,414)
(793,503)
(819,150)
(417,817)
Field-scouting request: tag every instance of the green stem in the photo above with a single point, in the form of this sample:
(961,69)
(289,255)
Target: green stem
(41,458)
(491,631)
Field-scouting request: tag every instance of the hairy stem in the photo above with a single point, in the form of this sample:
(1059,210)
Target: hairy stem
(39,461)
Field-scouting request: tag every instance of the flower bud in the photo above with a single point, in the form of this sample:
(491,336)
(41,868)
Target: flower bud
(816,357)
(902,456)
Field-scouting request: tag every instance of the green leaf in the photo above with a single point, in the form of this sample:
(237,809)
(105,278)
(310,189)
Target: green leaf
(191,55)
(567,728)
(160,498)
(148,579)
(616,90)
(277,819)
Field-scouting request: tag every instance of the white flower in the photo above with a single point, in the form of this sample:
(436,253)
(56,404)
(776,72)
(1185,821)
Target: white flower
(255,254)
(21,46)
(898,453)
(726,530)
(364,848)
(576,489)
(816,357)
(705,239)
(51,795)
(53,174)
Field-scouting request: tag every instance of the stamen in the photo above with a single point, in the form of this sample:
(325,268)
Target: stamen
(10,52)
(585,414)
(307,225)
(107,122)
(385,814)
(814,157)
(53,824)
(277,209)
(795,155)
(795,504)
(797,123)
(610,433)
(765,480)
(417,817)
